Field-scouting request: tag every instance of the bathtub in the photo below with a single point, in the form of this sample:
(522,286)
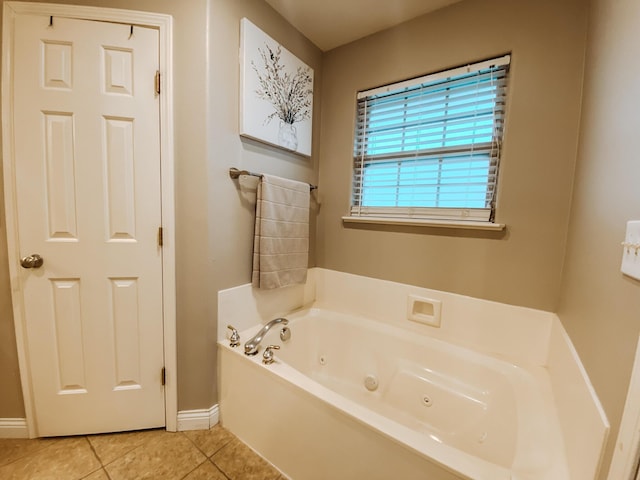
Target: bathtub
(350,398)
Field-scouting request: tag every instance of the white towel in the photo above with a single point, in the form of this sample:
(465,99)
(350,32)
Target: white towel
(281,240)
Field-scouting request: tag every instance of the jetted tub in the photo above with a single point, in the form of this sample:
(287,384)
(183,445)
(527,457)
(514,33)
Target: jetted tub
(352,398)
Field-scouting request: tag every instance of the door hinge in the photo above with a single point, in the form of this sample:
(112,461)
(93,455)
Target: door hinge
(160,237)
(157,82)
(163,376)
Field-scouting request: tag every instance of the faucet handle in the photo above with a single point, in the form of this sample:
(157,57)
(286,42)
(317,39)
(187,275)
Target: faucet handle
(267,356)
(285,334)
(234,339)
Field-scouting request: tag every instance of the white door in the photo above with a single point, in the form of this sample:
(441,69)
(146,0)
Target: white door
(87,168)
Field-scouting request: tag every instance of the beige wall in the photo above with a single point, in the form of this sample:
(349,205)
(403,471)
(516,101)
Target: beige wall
(523,265)
(11,405)
(214,226)
(231,217)
(600,308)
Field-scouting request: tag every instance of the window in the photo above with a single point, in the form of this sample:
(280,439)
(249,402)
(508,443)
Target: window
(429,148)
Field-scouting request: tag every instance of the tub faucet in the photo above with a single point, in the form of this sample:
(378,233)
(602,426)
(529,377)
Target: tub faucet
(252,345)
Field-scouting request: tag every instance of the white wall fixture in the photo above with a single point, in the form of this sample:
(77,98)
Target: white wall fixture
(202,419)
(631,250)
(245,306)
(276,92)
(424,310)
(14,428)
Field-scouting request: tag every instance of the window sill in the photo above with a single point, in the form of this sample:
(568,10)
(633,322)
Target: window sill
(470,225)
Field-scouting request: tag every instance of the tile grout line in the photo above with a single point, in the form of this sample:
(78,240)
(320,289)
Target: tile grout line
(218,451)
(151,441)
(193,470)
(24,455)
(209,458)
(205,461)
(195,445)
(102,465)
(127,452)
(202,451)
(221,447)
(94,450)
(219,469)
(226,442)
(252,452)
(95,454)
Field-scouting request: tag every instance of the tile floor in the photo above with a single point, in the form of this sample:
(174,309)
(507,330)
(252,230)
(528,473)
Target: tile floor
(212,454)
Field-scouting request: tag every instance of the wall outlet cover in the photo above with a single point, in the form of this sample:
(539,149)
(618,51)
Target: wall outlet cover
(631,250)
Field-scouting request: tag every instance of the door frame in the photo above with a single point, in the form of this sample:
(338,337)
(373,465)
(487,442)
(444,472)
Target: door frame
(164,24)
(624,463)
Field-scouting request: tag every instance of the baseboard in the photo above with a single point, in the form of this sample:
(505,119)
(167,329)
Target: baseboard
(187,420)
(15,428)
(202,419)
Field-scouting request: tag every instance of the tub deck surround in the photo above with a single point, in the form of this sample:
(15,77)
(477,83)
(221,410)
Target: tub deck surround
(245,306)
(495,392)
(516,333)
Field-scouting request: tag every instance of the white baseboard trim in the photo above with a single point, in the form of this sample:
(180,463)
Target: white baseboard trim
(202,419)
(13,428)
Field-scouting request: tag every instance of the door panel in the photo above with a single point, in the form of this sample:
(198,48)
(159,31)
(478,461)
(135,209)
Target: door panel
(60,174)
(87,146)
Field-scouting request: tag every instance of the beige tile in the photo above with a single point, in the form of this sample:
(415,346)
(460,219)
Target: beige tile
(210,441)
(110,446)
(98,475)
(170,456)
(69,458)
(12,449)
(206,471)
(239,462)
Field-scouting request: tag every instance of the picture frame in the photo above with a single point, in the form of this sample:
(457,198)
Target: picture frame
(276,93)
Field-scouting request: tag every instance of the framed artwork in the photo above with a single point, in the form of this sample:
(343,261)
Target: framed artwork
(276,92)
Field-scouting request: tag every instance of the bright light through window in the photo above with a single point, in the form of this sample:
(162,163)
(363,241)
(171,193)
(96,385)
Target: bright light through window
(430,147)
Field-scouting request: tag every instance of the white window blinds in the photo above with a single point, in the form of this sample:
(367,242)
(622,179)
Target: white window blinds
(429,148)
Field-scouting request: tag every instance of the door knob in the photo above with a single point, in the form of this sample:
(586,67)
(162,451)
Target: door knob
(32,261)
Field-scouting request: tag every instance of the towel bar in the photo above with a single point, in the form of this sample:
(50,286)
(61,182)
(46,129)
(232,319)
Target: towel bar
(234,173)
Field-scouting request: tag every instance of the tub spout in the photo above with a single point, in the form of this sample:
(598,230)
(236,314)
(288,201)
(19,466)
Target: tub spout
(252,345)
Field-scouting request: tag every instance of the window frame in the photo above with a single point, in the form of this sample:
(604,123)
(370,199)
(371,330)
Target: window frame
(457,216)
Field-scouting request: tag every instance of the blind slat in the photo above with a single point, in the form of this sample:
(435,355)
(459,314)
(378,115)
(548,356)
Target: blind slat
(427,97)
(446,153)
(435,121)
